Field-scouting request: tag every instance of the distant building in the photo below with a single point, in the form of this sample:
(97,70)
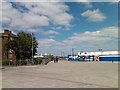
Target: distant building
(100,53)
(96,56)
(7,54)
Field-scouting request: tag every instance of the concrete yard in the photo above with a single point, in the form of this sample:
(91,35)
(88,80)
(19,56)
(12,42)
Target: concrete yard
(64,74)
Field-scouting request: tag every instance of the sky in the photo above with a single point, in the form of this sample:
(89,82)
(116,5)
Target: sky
(61,26)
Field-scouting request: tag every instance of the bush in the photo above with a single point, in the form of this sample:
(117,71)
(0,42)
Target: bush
(21,62)
(46,62)
(37,60)
(5,62)
(0,62)
(17,62)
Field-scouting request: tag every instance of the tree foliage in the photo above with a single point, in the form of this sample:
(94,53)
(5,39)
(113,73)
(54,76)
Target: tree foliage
(22,45)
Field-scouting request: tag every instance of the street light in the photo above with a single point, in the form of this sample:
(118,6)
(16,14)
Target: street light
(32,46)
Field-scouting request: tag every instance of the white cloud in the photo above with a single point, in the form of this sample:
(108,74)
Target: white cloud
(62,1)
(48,0)
(104,0)
(51,36)
(56,12)
(0,12)
(87,4)
(8,12)
(30,30)
(0,17)
(46,41)
(17,19)
(82,0)
(50,46)
(115,0)
(96,39)
(111,32)
(42,14)
(49,32)
(107,32)
(94,16)
(30,20)
(105,38)
(57,28)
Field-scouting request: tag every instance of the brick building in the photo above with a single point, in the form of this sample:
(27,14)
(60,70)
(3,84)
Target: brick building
(7,54)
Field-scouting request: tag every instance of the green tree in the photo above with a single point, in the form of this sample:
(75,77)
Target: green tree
(22,45)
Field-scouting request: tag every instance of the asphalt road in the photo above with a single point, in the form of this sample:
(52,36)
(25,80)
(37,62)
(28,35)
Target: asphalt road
(64,74)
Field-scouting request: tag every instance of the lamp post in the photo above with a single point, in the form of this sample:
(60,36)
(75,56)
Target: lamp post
(32,46)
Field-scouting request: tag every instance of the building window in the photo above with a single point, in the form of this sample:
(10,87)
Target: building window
(10,55)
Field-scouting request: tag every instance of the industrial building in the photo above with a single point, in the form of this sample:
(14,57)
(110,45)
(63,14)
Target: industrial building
(96,56)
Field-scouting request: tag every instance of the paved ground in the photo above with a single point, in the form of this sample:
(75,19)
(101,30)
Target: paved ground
(0,76)
(64,74)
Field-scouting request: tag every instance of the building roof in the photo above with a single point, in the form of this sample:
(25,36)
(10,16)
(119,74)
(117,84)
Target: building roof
(7,33)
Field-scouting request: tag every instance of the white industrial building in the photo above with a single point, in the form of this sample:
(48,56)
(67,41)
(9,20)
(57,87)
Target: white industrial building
(100,53)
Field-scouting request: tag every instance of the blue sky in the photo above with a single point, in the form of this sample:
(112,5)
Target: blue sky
(61,26)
